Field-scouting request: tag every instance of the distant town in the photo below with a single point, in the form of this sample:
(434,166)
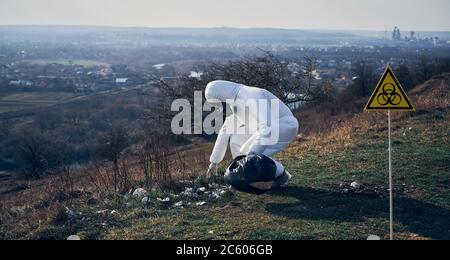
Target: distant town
(73,63)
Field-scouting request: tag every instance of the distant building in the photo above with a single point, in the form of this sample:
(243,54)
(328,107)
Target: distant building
(396,34)
(20,82)
(159,66)
(195,74)
(122,80)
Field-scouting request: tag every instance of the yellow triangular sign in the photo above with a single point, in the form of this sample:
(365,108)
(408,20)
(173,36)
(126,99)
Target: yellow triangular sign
(389,95)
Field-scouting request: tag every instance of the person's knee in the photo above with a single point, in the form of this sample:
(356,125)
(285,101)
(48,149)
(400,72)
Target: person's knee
(294,124)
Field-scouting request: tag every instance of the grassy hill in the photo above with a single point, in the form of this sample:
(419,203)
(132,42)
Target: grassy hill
(317,204)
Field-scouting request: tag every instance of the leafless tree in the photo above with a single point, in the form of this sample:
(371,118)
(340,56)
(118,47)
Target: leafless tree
(365,78)
(116,140)
(32,150)
(424,69)
(291,82)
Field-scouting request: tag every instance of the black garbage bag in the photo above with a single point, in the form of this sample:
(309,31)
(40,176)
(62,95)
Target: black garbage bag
(253,174)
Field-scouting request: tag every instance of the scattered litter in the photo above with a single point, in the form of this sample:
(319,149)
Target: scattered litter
(112,212)
(346,190)
(163,200)
(69,215)
(189,192)
(73,238)
(201,190)
(214,195)
(145,200)
(203,203)
(211,232)
(178,204)
(140,193)
(222,192)
(214,186)
(355,185)
(373,237)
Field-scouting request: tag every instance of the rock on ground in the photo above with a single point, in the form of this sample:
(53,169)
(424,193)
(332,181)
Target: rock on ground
(73,238)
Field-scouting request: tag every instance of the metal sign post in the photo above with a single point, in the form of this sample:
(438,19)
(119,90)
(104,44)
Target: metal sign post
(391,193)
(389,95)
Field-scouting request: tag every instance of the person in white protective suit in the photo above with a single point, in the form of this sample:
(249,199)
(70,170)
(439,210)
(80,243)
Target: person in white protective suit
(252,135)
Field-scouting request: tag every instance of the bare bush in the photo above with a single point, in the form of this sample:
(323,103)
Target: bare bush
(291,82)
(364,82)
(32,151)
(155,155)
(116,140)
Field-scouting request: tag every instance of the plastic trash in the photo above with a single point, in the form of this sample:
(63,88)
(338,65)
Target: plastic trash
(254,174)
(189,192)
(214,195)
(163,200)
(140,193)
(178,204)
(145,200)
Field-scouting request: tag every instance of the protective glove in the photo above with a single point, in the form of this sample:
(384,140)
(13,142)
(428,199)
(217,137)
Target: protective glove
(212,170)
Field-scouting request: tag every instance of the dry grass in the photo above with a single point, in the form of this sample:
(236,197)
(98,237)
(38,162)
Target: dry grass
(76,187)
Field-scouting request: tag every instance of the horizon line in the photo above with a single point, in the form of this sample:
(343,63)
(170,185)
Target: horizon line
(215,27)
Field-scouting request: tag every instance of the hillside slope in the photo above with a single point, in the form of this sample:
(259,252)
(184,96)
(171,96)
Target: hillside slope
(319,202)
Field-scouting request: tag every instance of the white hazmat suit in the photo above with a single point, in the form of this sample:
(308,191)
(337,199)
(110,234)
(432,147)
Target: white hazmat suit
(253,135)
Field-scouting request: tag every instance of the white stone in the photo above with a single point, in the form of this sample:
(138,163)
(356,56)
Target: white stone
(73,238)
(355,185)
(374,238)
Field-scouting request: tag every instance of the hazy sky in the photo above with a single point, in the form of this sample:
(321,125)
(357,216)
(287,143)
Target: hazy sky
(302,14)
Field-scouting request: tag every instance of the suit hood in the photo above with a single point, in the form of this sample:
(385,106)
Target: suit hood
(222,91)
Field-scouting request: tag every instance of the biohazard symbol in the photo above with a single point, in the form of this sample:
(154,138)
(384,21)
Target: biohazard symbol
(389,95)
